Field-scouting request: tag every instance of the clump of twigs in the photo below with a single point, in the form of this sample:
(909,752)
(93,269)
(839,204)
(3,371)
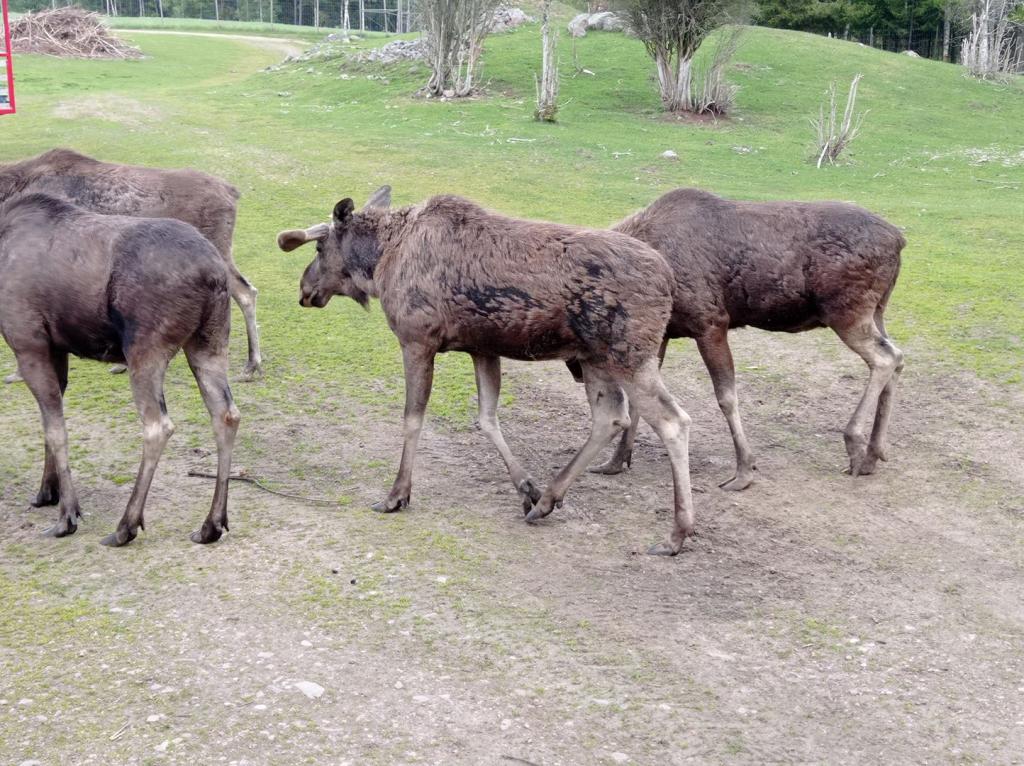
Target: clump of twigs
(835,135)
(71,32)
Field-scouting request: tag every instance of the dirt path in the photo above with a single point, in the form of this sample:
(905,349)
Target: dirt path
(286,46)
(815,618)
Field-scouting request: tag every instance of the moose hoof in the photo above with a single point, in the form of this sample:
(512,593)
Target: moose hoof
(737,483)
(206,535)
(253,371)
(45,497)
(610,468)
(863,463)
(118,369)
(14,377)
(391,505)
(539,511)
(62,528)
(118,538)
(664,549)
(529,493)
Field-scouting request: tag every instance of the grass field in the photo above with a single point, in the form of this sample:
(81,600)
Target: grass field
(456,595)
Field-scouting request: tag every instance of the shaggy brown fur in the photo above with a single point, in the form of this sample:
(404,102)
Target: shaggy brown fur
(453,277)
(781,266)
(207,203)
(115,289)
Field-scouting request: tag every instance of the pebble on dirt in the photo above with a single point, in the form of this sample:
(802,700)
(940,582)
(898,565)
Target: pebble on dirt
(310,689)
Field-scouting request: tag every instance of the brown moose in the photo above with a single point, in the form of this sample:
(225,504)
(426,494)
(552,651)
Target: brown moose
(206,202)
(451,276)
(123,290)
(780,266)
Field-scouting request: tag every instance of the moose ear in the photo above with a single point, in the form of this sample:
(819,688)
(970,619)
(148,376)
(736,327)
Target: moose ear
(380,198)
(343,211)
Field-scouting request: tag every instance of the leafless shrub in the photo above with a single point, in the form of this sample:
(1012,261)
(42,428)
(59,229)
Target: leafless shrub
(835,135)
(713,93)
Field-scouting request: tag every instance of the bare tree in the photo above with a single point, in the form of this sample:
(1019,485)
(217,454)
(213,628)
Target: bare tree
(672,31)
(994,46)
(835,135)
(455,32)
(547,85)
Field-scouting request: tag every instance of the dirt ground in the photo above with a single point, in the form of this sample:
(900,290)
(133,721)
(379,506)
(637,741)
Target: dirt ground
(815,619)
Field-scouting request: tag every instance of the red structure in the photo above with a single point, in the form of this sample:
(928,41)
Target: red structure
(6,64)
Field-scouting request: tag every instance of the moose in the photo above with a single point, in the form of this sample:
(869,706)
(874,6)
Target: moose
(780,266)
(452,276)
(124,290)
(207,203)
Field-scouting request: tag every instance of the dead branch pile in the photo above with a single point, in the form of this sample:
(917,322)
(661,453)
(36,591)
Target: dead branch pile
(71,32)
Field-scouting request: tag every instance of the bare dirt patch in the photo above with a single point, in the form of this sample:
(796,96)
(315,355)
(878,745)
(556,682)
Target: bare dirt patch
(816,618)
(110,107)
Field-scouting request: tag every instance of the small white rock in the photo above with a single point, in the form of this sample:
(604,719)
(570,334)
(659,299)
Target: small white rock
(154,718)
(306,643)
(310,689)
(668,154)
(162,747)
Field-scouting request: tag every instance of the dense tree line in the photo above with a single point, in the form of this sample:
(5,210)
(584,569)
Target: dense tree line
(932,28)
(378,15)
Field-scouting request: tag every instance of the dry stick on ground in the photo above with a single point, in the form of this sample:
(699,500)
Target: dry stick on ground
(264,487)
(833,136)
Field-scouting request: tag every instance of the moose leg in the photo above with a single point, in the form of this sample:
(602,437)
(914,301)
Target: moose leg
(609,415)
(714,350)
(245,296)
(46,376)
(419,377)
(147,376)
(488,387)
(623,455)
(49,487)
(879,443)
(210,368)
(666,417)
(883,360)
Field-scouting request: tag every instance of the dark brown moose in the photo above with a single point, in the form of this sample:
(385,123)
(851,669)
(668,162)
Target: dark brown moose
(451,276)
(207,203)
(780,266)
(115,289)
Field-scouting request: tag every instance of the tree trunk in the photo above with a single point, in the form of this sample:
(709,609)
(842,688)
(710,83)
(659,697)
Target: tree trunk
(547,87)
(945,34)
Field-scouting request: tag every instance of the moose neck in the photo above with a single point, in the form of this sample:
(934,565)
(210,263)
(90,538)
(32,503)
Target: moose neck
(375,231)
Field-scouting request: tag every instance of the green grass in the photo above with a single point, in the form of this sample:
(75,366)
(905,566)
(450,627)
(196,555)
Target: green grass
(297,139)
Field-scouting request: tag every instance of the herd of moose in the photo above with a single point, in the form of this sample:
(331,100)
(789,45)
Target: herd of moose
(128,265)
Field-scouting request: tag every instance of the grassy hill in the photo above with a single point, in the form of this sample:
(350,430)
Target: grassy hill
(939,155)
